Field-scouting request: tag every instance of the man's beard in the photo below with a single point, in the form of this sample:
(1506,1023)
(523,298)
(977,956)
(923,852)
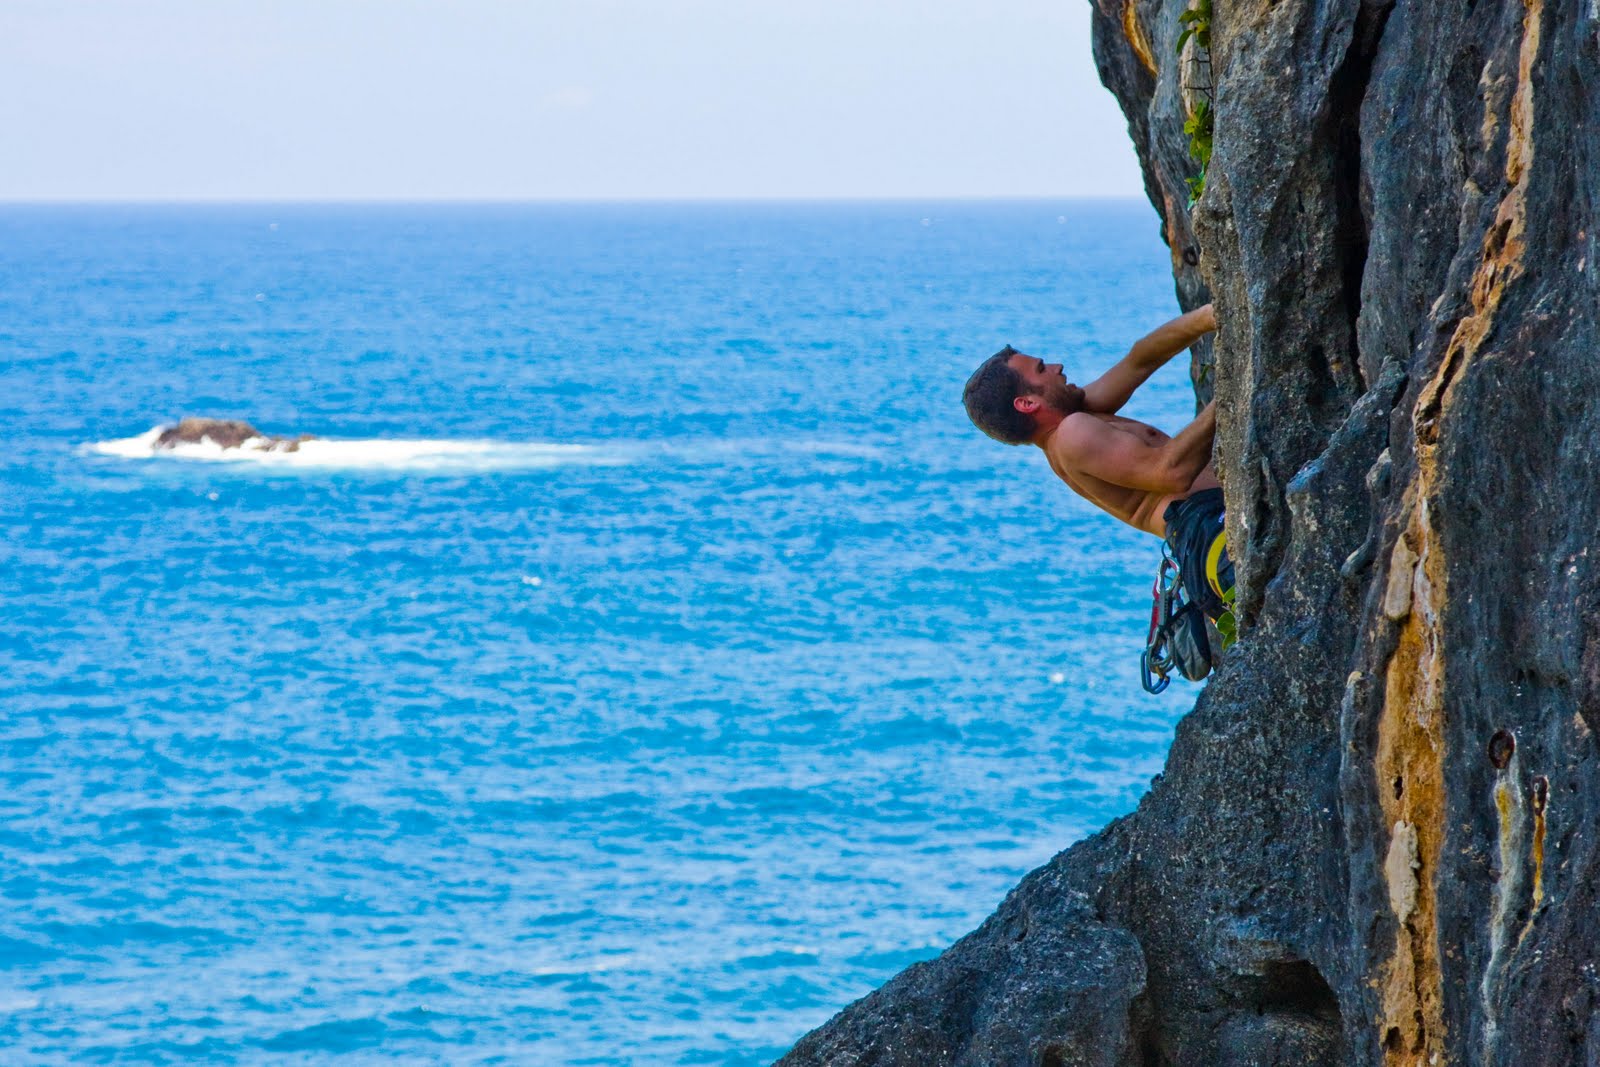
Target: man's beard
(1062,397)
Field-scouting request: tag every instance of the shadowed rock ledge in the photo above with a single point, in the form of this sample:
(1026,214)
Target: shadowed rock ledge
(1374,842)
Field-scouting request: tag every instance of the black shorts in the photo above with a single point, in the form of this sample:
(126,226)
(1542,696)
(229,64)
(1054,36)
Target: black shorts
(1200,545)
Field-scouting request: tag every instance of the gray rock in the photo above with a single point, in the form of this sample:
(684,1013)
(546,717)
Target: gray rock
(1374,841)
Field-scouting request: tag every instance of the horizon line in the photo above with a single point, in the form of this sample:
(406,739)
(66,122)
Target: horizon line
(453,201)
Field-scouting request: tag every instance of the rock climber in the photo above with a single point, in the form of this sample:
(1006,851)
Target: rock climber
(1159,484)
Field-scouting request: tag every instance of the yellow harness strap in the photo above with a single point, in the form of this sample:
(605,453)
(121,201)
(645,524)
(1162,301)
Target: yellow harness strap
(1219,545)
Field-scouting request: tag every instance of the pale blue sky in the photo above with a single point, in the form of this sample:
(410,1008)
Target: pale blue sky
(564,99)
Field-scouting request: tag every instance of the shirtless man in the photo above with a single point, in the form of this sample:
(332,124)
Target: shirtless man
(1156,483)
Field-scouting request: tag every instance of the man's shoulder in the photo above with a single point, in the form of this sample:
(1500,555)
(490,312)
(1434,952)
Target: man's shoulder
(1076,430)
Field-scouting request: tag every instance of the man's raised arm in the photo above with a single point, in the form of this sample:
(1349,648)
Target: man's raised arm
(1149,354)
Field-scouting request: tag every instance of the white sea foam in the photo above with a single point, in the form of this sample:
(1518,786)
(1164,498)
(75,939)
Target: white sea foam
(414,454)
(372,453)
(596,965)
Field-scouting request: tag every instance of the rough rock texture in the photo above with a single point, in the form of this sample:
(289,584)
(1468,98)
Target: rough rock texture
(1376,837)
(225,434)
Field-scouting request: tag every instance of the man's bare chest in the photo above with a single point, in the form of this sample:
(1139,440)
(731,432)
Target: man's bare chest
(1143,431)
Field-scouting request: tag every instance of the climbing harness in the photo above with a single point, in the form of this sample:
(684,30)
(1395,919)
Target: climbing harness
(1193,593)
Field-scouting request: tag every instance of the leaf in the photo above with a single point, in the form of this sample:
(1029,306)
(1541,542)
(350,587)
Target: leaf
(1228,628)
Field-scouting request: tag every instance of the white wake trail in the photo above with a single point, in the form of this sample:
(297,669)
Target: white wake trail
(378,453)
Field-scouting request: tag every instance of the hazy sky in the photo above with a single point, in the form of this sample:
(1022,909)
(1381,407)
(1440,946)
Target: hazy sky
(359,99)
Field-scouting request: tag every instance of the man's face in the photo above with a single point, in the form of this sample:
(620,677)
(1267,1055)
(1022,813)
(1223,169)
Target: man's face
(1046,382)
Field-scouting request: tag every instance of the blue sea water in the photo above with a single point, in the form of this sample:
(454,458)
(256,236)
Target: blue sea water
(695,669)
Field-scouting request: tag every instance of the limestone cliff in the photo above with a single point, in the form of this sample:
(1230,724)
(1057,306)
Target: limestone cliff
(1375,841)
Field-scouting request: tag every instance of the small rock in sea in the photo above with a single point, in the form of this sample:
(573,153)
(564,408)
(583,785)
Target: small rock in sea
(226,434)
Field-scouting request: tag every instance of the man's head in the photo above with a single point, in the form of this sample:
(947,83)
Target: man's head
(1012,396)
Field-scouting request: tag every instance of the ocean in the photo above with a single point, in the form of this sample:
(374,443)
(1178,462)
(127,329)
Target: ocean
(650,660)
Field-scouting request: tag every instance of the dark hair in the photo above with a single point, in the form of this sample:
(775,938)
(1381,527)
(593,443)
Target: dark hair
(989,397)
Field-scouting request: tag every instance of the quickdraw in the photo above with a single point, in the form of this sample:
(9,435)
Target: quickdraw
(1177,638)
(1156,662)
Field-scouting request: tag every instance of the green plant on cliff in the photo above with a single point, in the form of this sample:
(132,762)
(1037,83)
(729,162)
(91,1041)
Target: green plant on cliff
(1196,23)
(1199,127)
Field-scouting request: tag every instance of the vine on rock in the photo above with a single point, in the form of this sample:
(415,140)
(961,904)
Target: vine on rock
(1195,80)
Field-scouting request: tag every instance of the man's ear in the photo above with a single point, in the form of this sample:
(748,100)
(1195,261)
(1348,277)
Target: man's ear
(1027,403)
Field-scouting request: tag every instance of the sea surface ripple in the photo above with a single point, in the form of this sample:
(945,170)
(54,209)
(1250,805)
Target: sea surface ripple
(705,669)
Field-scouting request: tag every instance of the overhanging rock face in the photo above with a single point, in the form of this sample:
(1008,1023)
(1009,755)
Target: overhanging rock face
(1375,841)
